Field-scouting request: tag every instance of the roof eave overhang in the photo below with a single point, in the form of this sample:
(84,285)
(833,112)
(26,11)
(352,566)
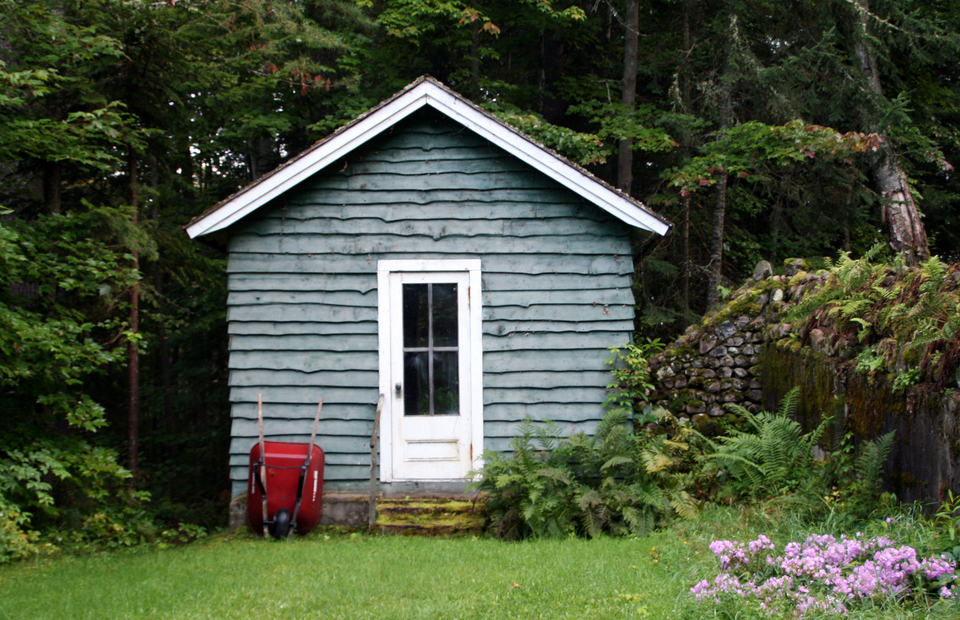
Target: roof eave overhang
(425,92)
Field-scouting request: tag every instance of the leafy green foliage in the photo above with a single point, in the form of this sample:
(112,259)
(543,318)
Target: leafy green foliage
(906,319)
(771,459)
(771,455)
(748,150)
(632,381)
(616,481)
(52,345)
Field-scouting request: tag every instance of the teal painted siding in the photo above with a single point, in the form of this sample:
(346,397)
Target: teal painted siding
(302,306)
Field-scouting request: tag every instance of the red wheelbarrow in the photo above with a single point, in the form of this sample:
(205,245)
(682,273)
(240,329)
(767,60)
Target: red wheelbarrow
(285,488)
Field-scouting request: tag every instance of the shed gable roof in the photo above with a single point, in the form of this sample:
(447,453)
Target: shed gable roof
(425,91)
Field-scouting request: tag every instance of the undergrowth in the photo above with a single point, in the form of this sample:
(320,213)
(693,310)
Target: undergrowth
(905,321)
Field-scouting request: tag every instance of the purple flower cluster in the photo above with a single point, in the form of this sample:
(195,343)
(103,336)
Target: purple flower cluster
(822,573)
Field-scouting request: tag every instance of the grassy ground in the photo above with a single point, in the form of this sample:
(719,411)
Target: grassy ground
(360,577)
(333,575)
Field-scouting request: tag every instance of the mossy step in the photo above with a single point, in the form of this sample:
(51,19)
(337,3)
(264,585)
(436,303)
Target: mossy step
(429,517)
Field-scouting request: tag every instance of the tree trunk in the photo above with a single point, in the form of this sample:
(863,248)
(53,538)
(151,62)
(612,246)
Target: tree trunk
(685,263)
(629,95)
(716,240)
(906,233)
(133,352)
(475,64)
(715,267)
(51,187)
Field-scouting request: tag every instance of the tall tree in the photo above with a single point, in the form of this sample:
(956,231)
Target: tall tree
(631,37)
(905,230)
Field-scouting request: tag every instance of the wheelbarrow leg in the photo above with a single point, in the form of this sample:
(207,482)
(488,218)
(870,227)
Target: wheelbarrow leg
(263,464)
(304,470)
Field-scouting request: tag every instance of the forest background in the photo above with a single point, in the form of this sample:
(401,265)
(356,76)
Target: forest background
(762,129)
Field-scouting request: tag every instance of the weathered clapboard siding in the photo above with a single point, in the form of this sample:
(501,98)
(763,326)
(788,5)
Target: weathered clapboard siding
(543,263)
(302,307)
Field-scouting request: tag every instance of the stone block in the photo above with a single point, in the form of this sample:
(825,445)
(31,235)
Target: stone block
(736,341)
(729,397)
(665,373)
(724,372)
(727,360)
(237,517)
(741,373)
(725,330)
(713,387)
(817,338)
(707,343)
(741,361)
(709,373)
(763,270)
(719,351)
(715,411)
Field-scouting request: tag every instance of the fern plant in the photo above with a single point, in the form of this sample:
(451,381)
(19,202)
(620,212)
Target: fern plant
(616,481)
(909,319)
(527,494)
(772,455)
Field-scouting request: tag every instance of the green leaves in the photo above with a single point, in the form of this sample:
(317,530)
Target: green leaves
(748,150)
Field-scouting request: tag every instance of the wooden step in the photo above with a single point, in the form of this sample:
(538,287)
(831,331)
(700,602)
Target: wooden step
(429,516)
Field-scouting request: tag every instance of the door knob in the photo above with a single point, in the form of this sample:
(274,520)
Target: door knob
(399,389)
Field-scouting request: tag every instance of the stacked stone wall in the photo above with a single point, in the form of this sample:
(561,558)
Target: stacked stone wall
(744,353)
(718,362)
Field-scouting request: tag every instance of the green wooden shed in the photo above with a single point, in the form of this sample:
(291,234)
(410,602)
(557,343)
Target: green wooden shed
(429,252)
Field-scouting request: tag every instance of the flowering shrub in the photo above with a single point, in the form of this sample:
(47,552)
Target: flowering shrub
(823,574)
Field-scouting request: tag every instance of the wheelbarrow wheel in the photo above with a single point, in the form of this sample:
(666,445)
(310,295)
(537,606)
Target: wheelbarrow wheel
(281,523)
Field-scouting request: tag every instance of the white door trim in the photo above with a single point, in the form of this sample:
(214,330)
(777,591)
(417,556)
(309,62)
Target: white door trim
(386,328)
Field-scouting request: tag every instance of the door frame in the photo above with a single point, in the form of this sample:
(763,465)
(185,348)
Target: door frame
(385,328)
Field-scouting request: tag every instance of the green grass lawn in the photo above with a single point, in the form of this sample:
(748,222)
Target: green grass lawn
(359,577)
(335,575)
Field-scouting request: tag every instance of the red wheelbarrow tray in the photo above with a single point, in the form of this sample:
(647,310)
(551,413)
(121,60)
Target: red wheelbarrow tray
(283,462)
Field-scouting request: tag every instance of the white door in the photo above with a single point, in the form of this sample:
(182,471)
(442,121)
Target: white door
(429,322)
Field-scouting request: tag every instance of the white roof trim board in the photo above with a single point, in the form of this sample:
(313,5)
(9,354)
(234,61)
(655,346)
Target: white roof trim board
(424,92)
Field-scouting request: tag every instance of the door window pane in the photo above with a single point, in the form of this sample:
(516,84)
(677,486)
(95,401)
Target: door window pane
(445,315)
(416,389)
(430,349)
(446,383)
(415,315)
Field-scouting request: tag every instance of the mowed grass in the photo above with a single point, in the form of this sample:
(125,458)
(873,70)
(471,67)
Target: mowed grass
(337,576)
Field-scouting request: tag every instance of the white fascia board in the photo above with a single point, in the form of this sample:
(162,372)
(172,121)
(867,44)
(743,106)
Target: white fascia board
(532,154)
(309,163)
(426,93)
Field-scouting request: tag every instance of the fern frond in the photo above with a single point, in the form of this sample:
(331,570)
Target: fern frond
(871,459)
(684,505)
(592,512)
(875,251)
(884,294)
(789,403)
(616,460)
